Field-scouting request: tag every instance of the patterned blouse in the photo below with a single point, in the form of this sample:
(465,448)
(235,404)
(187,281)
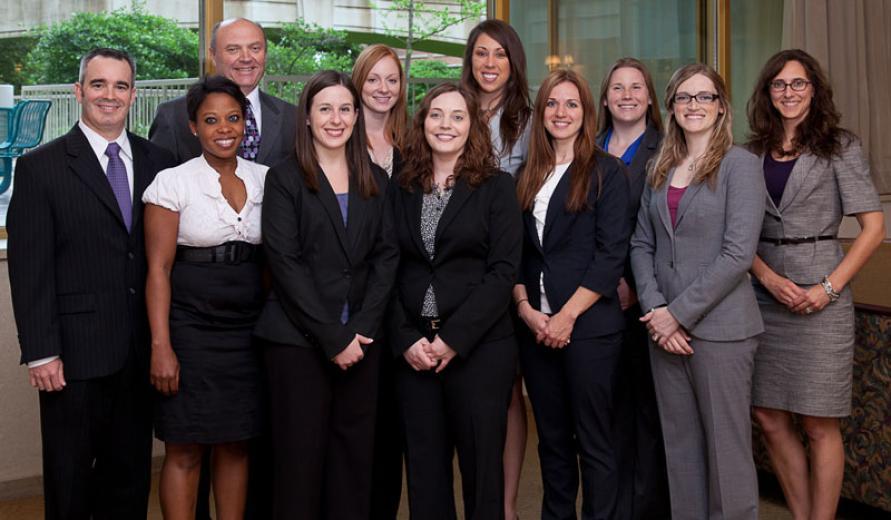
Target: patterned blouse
(431,211)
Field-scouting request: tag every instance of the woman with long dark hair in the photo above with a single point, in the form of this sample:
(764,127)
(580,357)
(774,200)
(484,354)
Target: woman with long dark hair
(329,242)
(575,202)
(697,230)
(495,70)
(204,294)
(815,173)
(629,126)
(459,232)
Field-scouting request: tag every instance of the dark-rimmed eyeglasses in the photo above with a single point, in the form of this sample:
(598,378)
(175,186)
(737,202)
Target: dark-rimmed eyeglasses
(703,98)
(797,84)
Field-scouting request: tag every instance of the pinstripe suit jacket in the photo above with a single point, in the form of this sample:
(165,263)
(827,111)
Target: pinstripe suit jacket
(77,276)
(700,267)
(816,196)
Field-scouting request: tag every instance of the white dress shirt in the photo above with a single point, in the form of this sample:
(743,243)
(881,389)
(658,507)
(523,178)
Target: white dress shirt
(540,212)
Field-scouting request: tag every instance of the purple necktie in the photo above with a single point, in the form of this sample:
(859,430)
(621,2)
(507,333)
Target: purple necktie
(250,145)
(117,177)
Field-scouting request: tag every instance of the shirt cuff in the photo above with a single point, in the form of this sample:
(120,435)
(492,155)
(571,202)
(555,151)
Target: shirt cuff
(40,362)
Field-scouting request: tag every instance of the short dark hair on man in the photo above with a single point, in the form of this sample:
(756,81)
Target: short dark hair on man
(213,85)
(106,52)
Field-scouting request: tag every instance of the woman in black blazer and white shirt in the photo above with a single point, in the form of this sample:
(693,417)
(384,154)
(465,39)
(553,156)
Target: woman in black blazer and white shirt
(575,200)
(459,232)
(328,237)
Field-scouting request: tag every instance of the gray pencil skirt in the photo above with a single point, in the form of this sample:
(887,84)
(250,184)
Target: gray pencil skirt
(804,363)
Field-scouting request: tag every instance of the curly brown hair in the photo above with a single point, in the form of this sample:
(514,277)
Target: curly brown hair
(477,161)
(819,133)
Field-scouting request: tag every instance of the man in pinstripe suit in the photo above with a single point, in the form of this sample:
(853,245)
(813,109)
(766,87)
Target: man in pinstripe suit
(77,272)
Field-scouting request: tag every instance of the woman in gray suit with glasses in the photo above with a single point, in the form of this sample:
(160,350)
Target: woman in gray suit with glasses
(815,173)
(697,231)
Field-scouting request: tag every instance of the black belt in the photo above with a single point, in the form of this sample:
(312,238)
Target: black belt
(430,325)
(228,253)
(796,240)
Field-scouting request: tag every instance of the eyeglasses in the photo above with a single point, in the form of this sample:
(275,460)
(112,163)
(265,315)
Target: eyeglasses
(797,84)
(703,98)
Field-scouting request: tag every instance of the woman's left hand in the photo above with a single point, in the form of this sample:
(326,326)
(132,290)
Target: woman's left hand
(815,300)
(559,330)
(440,351)
(660,323)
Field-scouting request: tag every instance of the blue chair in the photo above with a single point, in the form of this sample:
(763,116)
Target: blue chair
(22,129)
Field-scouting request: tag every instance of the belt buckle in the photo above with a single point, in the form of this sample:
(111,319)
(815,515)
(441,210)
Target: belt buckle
(434,323)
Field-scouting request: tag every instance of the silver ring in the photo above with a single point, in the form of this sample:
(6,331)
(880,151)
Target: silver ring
(808,310)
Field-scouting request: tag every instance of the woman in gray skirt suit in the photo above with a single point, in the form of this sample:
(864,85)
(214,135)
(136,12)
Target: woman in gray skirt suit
(815,173)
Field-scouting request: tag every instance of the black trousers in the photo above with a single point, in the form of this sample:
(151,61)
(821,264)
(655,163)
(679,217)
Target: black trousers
(642,476)
(322,422)
(572,391)
(386,490)
(463,408)
(97,446)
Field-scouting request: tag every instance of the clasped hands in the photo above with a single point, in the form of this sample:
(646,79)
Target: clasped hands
(424,355)
(798,300)
(552,331)
(667,332)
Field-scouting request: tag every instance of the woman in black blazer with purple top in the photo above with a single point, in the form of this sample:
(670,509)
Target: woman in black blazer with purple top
(577,230)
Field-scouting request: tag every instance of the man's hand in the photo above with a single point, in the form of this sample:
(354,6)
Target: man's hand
(48,377)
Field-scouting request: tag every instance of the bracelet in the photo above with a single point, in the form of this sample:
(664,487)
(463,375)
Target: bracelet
(521,301)
(827,286)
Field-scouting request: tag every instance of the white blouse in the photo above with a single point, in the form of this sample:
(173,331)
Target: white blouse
(206,219)
(540,213)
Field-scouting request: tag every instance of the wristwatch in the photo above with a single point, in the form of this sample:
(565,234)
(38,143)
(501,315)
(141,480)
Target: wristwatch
(827,286)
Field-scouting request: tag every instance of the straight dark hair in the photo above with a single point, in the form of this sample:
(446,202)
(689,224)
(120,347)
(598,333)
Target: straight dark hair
(477,162)
(213,85)
(542,158)
(515,100)
(356,148)
(819,133)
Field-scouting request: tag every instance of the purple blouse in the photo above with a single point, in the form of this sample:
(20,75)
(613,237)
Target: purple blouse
(674,200)
(776,175)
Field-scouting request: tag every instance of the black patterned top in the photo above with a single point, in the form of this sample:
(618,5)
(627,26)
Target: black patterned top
(431,210)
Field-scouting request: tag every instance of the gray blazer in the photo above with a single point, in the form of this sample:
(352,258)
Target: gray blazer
(170,130)
(817,194)
(700,268)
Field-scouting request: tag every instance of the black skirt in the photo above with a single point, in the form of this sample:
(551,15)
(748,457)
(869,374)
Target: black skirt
(212,313)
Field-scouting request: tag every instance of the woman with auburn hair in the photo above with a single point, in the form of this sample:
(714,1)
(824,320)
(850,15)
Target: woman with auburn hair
(331,250)
(495,70)
(575,200)
(459,234)
(378,75)
(815,173)
(697,230)
(380,80)
(629,126)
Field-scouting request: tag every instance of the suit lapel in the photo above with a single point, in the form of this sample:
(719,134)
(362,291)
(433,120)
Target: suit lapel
(686,200)
(460,194)
(661,195)
(532,230)
(413,201)
(803,167)
(86,166)
(142,177)
(356,211)
(645,151)
(272,122)
(332,208)
(555,207)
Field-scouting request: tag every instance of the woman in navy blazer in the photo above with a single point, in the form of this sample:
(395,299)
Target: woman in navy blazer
(328,238)
(575,199)
(459,232)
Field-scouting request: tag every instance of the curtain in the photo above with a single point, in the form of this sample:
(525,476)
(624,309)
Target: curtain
(851,40)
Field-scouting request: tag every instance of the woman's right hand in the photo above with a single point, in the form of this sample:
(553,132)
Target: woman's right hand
(785,290)
(353,352)
(164,373)
(417,357)
(535,320)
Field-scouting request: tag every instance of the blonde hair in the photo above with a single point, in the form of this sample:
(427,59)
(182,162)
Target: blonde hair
(674,145)
(397,122)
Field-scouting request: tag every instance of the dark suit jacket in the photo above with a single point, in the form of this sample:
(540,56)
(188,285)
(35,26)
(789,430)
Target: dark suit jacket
(478,244)
(637,171)
(77,275)
(170,130)
(317,264)
(585,249)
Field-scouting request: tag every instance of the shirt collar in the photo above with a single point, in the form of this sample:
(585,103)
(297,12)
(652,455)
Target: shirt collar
(99,144)
(254,98)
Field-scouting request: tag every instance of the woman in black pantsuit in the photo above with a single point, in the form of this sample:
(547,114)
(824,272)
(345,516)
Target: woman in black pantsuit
(459,233)
(328,236)
(575,199)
